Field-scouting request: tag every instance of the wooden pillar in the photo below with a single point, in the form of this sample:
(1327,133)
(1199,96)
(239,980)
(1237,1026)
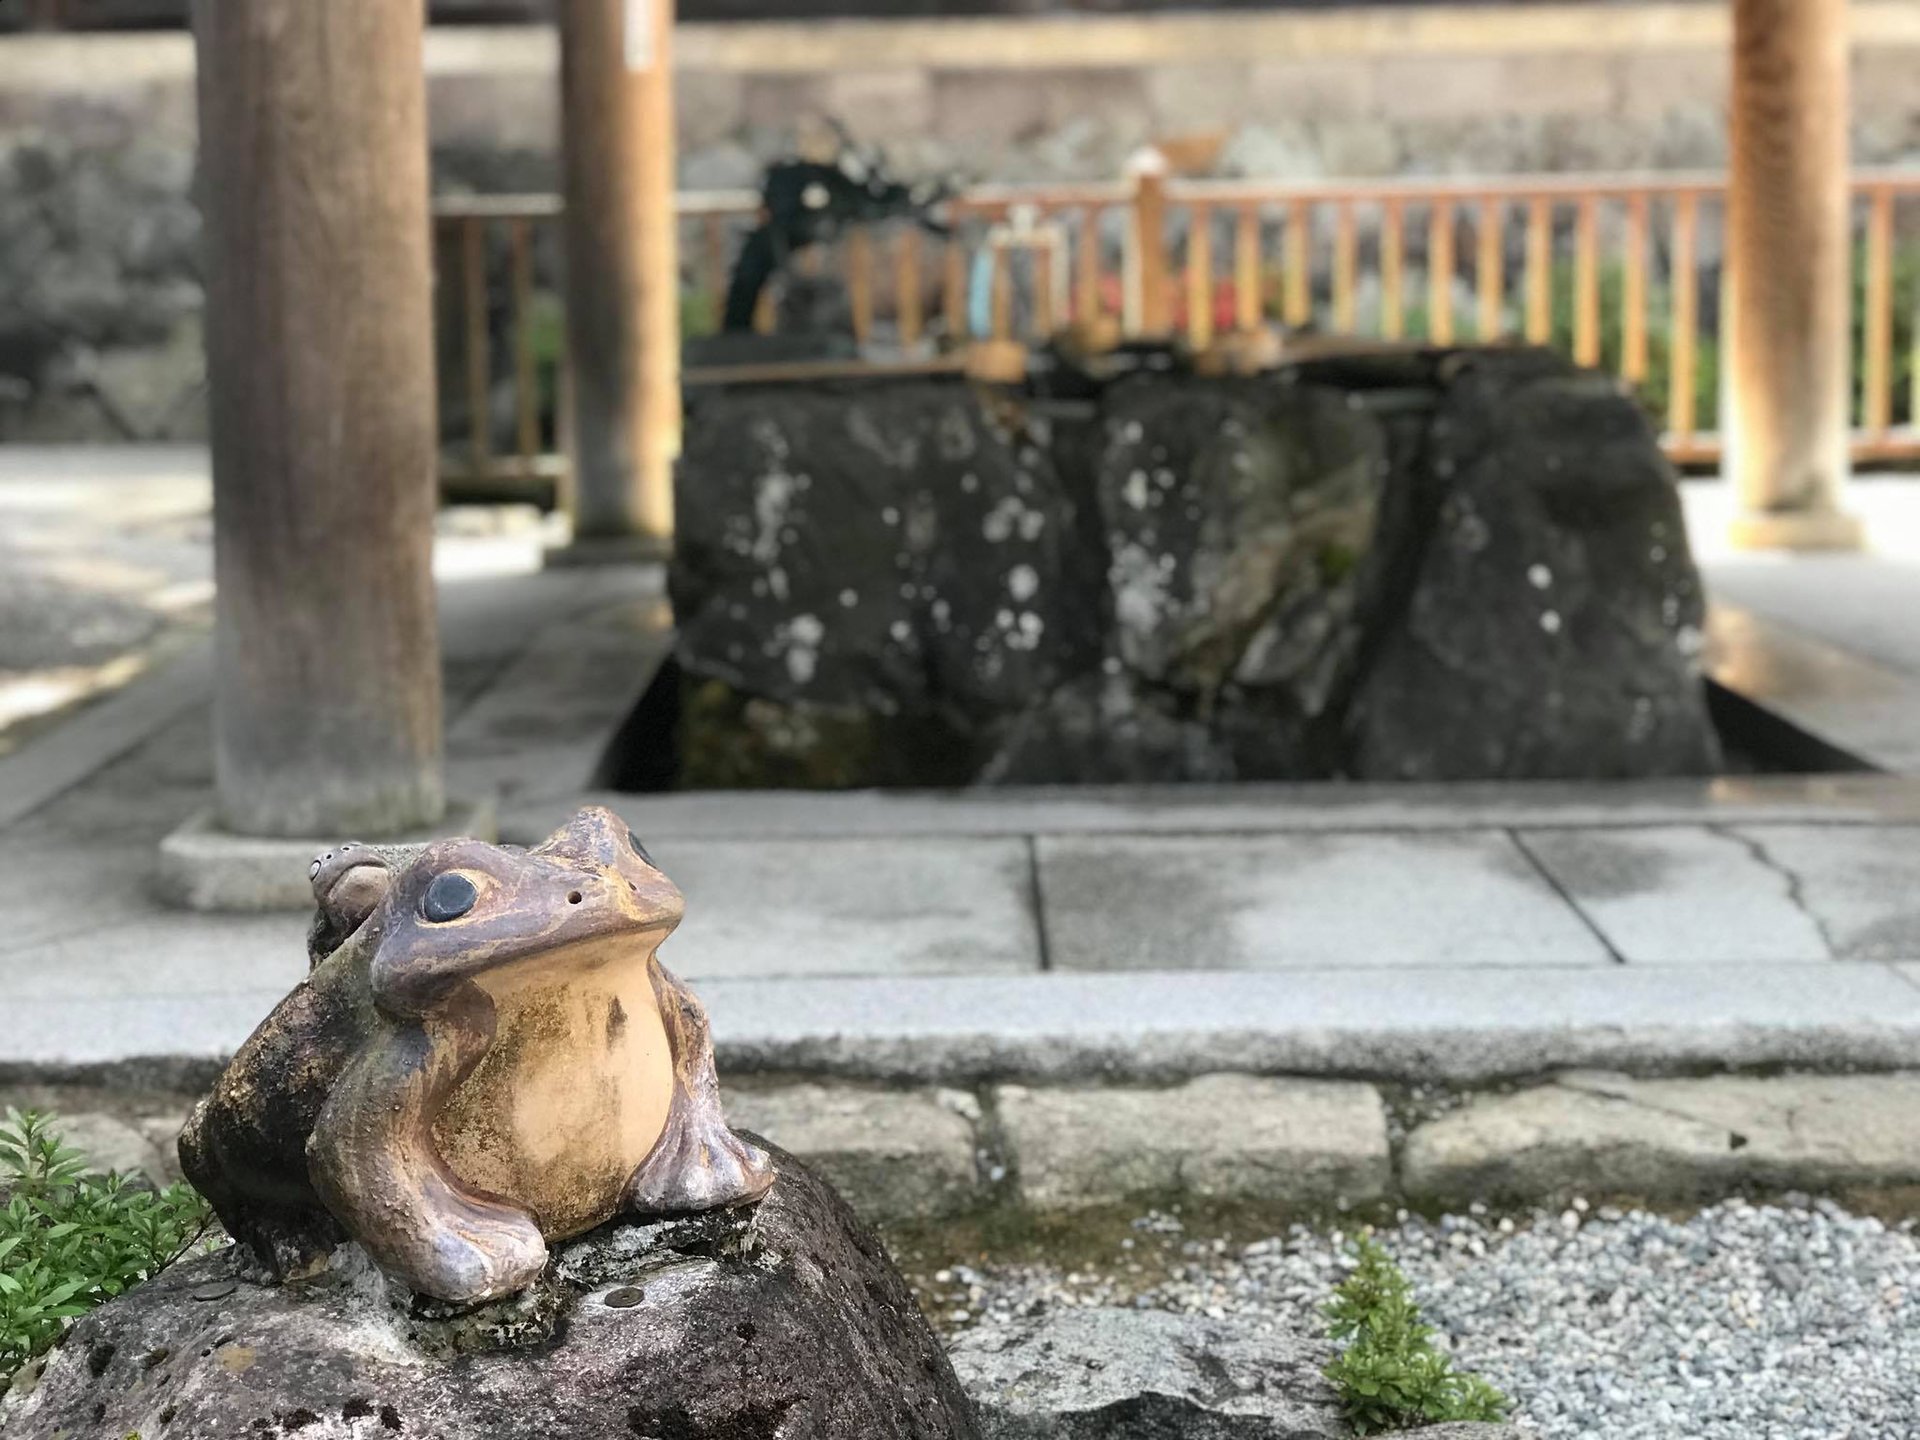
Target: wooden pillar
(623,285)
(313,177)
(1788,242)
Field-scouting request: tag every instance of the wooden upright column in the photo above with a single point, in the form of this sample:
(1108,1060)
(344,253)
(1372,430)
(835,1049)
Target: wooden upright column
(623,282)
(313,182)
(1788,242)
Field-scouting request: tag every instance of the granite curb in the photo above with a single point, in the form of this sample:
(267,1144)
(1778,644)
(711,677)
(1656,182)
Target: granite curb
(1272,1145)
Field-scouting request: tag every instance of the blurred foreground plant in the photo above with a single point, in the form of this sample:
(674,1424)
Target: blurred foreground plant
(71,1239)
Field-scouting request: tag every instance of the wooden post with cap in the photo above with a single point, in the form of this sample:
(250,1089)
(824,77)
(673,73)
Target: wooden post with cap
(1789,239)
(623,282)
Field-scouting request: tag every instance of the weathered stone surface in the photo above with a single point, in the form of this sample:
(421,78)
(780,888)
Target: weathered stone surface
(1237,514)
(1555,621)
(1599,1134)
(892,1155)
(864,578)
(1282,1143)
(791,1322)
(1401,564)
(1112,1374)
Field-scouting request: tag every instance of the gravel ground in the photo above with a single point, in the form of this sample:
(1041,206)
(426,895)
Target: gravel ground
(1776,1322)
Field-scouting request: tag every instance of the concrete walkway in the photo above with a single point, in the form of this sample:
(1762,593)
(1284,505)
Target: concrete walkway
(1410,933)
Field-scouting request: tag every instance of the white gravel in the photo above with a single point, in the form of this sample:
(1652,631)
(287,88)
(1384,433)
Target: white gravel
(1797,1321)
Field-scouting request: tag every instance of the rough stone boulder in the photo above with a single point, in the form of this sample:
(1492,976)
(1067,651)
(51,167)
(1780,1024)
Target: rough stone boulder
(1114,1374)
(786,1320)
(864,578)
(1555,620)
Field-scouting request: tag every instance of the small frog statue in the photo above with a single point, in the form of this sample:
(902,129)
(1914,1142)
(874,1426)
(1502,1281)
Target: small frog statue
(486,1056)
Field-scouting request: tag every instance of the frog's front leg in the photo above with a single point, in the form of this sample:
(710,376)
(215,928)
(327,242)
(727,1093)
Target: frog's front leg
(698,1163)
(375,1165)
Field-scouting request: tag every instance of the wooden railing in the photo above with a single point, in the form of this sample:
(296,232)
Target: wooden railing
(1619,272)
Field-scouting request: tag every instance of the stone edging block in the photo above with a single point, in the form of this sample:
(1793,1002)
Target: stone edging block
(894,1155)
(1307,1143)
(1597,1133)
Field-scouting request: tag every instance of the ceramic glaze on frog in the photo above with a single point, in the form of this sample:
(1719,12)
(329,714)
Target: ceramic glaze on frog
(487,1055)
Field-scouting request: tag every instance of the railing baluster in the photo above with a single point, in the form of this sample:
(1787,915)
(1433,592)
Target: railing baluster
(713,252)
(526,391)
(1686,317)
(954,299)
(473,277)
(1586,283)
(1346,258)
(1633,296)
(1393,262)
(1199,277)
(1540,270)
(1000,293)
(1249,305)
(907,305)
(859,263)
(1086,278)
(1876,373)
(1913,372)
(1490,270)
(1440,273)
(1299,310)
(1042,259)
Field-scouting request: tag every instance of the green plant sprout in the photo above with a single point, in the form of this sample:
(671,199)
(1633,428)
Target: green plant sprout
(1390,1376)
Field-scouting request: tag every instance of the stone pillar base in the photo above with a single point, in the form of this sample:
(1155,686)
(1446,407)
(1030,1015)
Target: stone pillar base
(1797,530)
(203,867)
(610,550)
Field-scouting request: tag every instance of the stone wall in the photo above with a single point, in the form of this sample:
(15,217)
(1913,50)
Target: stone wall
(99,278)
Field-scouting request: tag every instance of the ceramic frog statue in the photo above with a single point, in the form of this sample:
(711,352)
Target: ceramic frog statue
(486,1056)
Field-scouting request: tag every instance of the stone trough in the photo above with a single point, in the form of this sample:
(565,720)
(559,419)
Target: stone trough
(1385,564)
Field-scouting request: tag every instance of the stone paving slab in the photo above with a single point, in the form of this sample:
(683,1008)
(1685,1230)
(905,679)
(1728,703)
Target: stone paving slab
(1849,703)
(1246,809)
(1310,1144)
(1279,902)
(1861,886)
(159,956)
(1682,895)
(1610,1134)
(851,907)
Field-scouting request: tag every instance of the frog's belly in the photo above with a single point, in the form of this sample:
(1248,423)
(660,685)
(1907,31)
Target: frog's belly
(570,1097)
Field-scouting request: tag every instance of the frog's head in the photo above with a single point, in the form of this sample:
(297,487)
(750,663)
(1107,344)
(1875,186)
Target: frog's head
(463,907)
(349,882)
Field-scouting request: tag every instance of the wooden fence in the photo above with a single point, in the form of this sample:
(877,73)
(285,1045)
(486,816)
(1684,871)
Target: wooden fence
(1619,272)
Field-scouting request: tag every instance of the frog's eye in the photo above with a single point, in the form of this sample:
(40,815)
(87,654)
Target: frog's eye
(638,848)
(448,897)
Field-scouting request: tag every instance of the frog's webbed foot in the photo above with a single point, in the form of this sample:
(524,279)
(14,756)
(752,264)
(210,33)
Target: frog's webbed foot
(698,1163)
(375,1165)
